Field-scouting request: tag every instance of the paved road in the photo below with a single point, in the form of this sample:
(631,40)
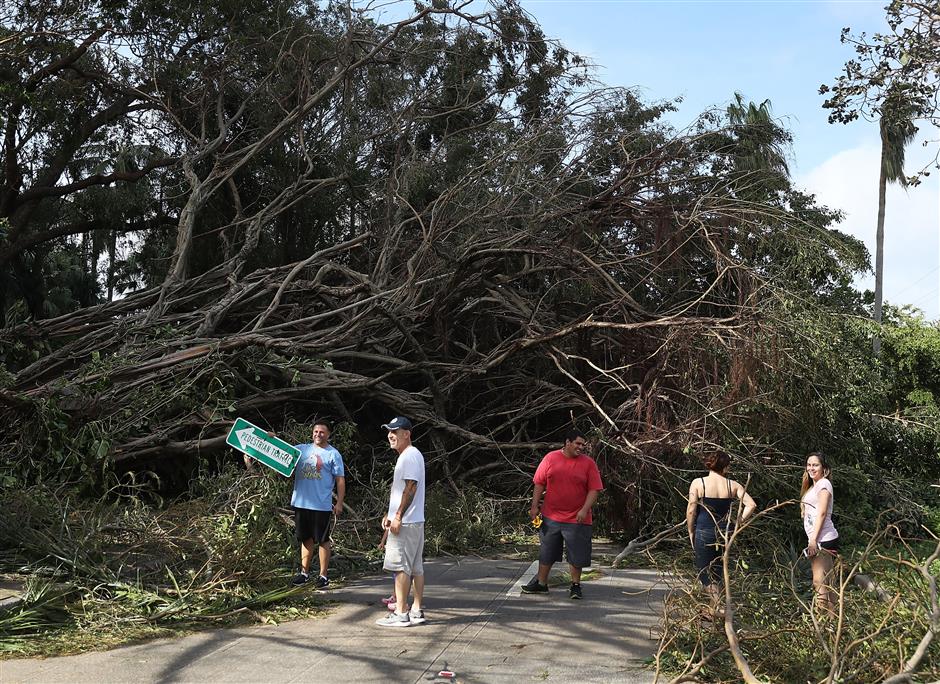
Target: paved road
(479,626)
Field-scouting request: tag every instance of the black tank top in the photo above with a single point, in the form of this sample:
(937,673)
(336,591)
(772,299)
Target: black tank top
(712,509)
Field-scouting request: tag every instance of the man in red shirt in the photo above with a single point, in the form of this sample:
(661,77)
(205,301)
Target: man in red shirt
(570,481)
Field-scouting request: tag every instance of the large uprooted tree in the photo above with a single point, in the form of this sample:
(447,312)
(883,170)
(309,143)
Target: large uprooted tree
(315,214)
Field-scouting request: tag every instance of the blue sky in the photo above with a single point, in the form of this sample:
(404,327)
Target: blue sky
(705,50)
(782,50)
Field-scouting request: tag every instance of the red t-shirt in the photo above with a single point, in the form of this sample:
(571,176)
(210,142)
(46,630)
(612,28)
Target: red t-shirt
(567,482)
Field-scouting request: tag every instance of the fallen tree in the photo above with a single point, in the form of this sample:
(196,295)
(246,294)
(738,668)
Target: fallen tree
(467,237)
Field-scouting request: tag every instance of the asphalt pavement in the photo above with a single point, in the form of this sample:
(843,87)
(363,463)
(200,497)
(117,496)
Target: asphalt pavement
(480,627)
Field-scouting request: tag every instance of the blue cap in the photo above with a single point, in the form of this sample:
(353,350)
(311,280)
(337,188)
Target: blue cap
(398,423)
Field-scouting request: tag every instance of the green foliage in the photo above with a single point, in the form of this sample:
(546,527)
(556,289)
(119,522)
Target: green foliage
(467,523)
(772,594)
(120,568)
(904,59)
(912,358)
(42,611)
(893,78)
(759,139)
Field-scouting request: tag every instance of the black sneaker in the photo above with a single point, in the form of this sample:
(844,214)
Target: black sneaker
(300,579)
(321,582)
(575,591)
(534,587)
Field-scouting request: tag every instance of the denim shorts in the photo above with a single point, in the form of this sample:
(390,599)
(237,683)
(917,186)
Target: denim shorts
(574,537)
(708,551)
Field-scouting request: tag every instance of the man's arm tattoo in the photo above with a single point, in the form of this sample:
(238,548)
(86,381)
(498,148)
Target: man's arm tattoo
(407,496)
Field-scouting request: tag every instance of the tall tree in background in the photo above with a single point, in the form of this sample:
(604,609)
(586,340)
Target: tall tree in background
(897,131)
(894,79)
(760,145)
(905,58)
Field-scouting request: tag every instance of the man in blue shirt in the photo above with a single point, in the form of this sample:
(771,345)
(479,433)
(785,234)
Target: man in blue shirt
(320,465)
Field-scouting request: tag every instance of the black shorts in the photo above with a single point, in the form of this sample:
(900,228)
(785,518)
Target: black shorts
(574,537)
(315,525)
(831,545)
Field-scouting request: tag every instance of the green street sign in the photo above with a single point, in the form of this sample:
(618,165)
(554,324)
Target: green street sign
(271,451)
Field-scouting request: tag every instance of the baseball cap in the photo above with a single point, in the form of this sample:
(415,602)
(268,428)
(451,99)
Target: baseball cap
(398,423)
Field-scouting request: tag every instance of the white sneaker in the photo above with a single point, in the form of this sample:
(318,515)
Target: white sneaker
(417,617)
(394,620)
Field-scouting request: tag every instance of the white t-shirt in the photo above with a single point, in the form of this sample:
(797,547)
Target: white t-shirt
(810,512)
(410,466)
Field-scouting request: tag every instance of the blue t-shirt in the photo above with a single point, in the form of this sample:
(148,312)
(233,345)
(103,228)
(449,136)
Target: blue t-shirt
(314,489)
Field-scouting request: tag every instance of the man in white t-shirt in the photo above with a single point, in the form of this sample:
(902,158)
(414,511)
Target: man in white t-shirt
(404,550)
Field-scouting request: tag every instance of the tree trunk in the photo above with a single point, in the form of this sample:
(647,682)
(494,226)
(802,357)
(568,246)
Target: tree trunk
(112,255)
(84,297)
(29,279)
(879,250)
(4,286)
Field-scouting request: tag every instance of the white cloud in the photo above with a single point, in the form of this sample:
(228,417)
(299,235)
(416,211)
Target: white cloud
(849,181)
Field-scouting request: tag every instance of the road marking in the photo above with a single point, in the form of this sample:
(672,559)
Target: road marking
(527,574)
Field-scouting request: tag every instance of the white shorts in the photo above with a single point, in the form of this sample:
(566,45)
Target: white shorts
(404,552)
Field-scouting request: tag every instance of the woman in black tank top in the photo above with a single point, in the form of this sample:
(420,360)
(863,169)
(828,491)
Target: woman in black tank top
(709,516)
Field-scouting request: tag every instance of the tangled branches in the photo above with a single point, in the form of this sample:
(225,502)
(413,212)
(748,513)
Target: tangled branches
(768,630)
(476,243)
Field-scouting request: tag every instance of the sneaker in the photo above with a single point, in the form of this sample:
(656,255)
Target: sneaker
(394,620)
(300,579)
(321,582)
(534,587)
(575,591)
(417,617)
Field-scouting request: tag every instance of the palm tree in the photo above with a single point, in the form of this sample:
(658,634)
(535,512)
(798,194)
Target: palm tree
(760,140)
(756,145)
(897,131)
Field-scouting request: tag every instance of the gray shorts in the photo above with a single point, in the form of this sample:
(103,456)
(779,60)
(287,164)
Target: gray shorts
(575,537)
(404,552)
